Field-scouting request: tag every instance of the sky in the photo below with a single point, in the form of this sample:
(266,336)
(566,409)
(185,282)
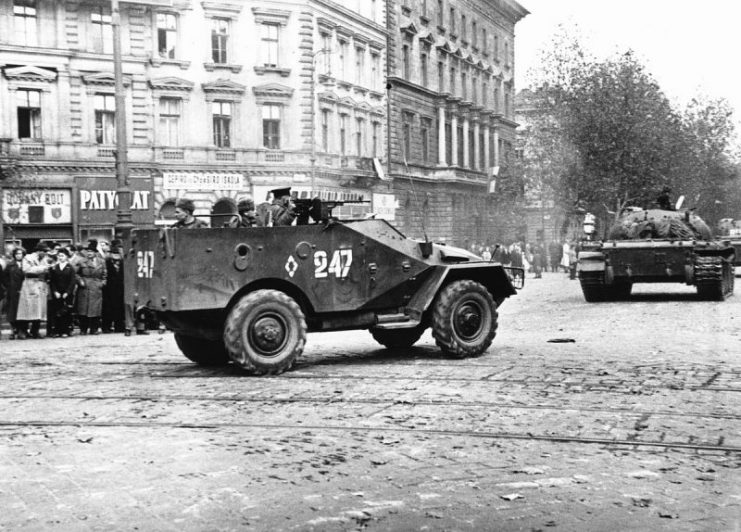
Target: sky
(689,47)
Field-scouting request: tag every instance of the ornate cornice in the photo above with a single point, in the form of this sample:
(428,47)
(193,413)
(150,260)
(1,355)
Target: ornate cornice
(171,83)
(224,86)
(271,16)
(273,91)
(30,73)
(103,79)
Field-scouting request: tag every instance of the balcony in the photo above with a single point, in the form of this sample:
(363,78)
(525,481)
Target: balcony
(32,149)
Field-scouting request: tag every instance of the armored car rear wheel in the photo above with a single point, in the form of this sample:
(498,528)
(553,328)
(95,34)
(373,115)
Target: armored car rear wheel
(202,351)
(398,338)
(464,319)
(265,332)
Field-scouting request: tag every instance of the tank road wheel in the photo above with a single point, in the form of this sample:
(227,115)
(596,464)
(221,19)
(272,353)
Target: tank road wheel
(265,332)
(202,351)
(464,319)
(398,338)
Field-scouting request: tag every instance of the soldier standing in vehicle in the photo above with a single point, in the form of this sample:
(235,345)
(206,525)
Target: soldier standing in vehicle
(184,213)
(247,215)
(281,211)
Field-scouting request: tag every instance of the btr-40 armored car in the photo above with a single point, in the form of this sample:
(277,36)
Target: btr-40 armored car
(250,295)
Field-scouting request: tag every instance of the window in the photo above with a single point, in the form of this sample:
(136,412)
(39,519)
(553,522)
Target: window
(496,47)
(482,152)
(461,162)
(506,103)
(463,27)
(169,121)
(344,50)
(325,130)
(440,13)
(506,52)
(326,48)
(270,44)
(375,69)
(29,114)
(484,93)
(452,20)
(464,84)
(105,119)
(405,66)
(423,8)
(24,22)
(359,65)
(222,120)
(448,143)
(425,128)
(219,39)
(496,99)
(423,65)
(271,126)
(440,76)
(407,135)
(474,89)
(374,141)
(102,31)
(166,35)
(474,34)
(452,81)
(484,44)
(471,152)
(359,127)
(343,134)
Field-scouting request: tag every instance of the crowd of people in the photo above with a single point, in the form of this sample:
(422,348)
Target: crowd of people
(67,286)
(534,258)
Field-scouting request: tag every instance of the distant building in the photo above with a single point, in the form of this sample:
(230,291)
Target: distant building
(451,123)
(225,99)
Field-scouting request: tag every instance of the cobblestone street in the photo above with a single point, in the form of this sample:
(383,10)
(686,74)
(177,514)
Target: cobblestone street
(609,416)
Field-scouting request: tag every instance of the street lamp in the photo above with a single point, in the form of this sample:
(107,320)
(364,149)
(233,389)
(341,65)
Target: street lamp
(313,114)
(123,191)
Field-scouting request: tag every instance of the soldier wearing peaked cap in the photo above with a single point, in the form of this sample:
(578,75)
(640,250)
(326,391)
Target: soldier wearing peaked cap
(281,211)
(184,213)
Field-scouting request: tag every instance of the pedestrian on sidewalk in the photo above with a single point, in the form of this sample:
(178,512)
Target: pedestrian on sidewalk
(91,278)
(62,288)
(33,300)
(12,280)
(113,291)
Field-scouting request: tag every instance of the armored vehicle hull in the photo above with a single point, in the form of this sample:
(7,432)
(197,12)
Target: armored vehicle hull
(656,246)
(250,295)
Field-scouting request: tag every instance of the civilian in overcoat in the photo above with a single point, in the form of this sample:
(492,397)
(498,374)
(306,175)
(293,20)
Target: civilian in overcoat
(91,278)
(113,292)
(62,285)
(12,279)
(33,301)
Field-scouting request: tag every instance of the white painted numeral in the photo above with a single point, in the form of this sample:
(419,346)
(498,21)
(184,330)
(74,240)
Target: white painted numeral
(339,266)
(145,264)
(320,261)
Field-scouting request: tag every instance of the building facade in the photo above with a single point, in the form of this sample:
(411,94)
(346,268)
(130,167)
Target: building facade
(451,120)
(225,100)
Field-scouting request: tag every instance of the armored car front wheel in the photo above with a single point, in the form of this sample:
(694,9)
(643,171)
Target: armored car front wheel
(464,319)
(202,351)
(265,332)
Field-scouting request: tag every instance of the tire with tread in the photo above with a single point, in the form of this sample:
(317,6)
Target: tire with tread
(202,351)
(398,338)
(265,332)
(464,319)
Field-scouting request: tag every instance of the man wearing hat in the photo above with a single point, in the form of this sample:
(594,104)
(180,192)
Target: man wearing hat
(62,287)
(91,278)
(247,215)
(281,210)
(32,303)
(184,213)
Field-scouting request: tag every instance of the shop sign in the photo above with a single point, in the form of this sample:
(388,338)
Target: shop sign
(37,206)
(384,206)
(262,193)
(203,181)
(98,200)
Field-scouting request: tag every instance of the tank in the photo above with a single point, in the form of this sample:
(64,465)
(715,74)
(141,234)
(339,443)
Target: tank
(656,246)
(251,295)
(730,229)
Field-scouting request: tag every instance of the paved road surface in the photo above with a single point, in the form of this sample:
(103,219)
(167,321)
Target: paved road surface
(633,425)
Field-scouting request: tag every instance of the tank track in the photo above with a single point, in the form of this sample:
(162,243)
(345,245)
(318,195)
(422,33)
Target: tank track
(593,286)
(714,277)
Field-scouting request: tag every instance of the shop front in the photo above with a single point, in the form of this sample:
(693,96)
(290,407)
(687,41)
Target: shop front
(97,206)
(34,214)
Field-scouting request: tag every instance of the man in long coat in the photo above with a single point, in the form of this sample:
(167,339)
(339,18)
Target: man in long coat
(91,278)
(33,300)
(113,292)
(62,287)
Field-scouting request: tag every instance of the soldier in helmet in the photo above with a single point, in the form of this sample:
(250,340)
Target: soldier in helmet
(184,213)
(281,211)
(247,214)
(663,200)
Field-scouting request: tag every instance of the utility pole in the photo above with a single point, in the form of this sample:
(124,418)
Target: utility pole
(124,224)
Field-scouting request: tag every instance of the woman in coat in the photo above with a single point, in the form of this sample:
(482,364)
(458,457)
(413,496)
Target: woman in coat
(91,278)
(13,280)
(34,296)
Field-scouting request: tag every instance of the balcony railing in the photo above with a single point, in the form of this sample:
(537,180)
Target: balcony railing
(32,150)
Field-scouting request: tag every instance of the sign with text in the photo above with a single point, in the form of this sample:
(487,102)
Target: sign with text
(384,206)
(204,181)
(37,206)
(97,200)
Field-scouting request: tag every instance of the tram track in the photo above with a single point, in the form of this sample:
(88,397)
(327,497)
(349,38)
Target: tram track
(489,435)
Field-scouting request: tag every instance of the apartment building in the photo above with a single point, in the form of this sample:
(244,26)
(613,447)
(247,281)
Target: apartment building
(225,99)
(451,125)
